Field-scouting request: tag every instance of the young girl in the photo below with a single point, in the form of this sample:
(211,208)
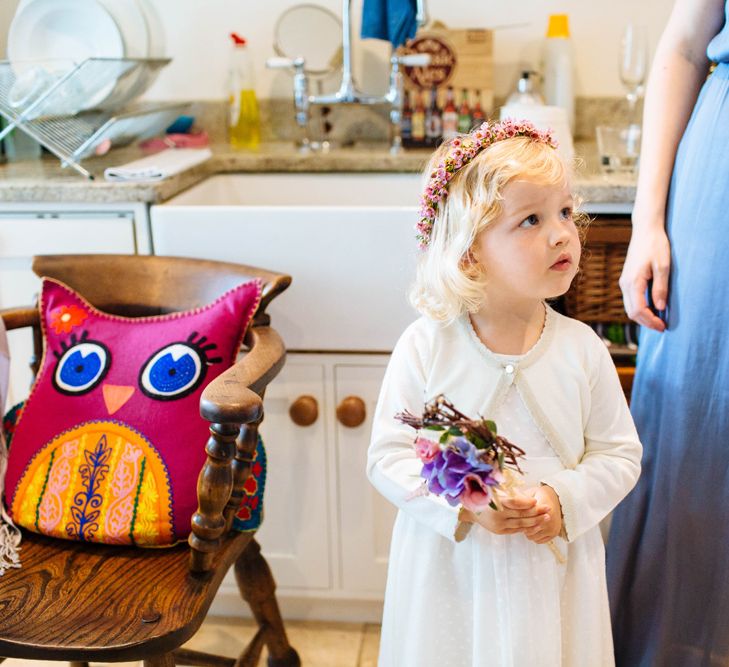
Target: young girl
(499,237)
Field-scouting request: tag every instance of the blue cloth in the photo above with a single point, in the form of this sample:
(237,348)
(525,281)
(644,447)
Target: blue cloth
(393,20)
(668,553)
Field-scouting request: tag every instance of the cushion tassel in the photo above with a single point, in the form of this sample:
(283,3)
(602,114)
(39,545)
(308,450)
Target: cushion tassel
(9,533)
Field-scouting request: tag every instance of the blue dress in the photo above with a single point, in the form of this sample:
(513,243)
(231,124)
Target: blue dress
(668,553)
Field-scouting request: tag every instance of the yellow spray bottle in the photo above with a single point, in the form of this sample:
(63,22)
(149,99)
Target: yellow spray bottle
(244,123)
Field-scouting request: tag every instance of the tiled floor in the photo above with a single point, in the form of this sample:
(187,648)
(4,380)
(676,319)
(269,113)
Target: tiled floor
(319,644)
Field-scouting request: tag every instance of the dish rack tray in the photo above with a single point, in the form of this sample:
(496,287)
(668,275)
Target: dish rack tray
(46,101)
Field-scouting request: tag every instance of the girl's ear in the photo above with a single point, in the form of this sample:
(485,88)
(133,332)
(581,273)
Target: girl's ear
(470,264)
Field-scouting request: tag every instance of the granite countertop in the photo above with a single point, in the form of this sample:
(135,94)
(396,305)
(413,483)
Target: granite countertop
(45,181)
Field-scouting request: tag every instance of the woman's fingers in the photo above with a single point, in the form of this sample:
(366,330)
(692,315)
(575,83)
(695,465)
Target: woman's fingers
(636,305)
(648,259)
(659,291)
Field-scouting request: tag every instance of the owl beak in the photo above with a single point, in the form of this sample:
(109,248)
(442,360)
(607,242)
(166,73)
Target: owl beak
(115,396)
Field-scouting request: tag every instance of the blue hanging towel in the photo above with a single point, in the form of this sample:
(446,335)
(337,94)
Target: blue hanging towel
(393,20)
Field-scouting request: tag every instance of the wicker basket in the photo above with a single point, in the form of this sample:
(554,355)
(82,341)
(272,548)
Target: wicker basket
(595,295)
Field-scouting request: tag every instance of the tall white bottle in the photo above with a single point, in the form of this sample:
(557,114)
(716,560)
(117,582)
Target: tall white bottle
(559,68)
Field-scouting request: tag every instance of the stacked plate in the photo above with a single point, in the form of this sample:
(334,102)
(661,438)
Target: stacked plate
(67,32)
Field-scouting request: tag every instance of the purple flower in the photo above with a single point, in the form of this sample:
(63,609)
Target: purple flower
(457,469)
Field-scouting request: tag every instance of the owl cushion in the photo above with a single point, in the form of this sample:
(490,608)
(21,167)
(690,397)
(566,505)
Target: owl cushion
(110,443)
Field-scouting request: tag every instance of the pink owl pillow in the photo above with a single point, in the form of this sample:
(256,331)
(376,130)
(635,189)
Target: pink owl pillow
(110,443)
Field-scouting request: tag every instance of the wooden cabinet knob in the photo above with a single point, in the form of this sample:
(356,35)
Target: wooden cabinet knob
(351,412)
(304,411)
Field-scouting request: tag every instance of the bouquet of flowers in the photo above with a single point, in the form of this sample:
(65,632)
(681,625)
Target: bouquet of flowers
(466,461)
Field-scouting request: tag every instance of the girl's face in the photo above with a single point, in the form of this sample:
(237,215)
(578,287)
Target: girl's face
(532,249)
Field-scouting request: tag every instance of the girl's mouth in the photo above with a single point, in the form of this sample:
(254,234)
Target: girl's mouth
(562,264)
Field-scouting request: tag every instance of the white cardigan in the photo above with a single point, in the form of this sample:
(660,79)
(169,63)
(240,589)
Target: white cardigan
(568,383)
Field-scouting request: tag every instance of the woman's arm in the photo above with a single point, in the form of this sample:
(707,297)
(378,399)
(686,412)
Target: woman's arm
(679,68)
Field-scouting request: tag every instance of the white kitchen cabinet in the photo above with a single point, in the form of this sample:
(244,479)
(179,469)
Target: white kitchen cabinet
(326,531)
(365,517)
(296,535)
(26,231)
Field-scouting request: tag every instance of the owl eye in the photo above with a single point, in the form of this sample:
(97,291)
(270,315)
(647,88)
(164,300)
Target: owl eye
(174,371)
(81,367)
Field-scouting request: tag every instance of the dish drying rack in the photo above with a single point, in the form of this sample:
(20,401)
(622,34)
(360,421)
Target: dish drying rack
(75,136)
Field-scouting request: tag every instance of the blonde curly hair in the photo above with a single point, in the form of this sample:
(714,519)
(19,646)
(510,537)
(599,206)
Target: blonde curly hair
(447,285)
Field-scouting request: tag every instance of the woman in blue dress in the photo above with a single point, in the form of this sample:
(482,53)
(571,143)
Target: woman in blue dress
(668,553)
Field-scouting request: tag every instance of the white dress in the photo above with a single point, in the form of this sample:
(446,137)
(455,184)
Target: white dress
(490,600)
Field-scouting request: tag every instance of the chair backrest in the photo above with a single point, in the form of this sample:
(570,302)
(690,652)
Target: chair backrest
(137,285)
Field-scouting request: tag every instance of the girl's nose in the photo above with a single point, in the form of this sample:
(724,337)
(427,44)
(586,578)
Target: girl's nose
(559,234)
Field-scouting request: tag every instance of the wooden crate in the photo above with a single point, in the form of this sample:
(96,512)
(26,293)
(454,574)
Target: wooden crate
(461,59)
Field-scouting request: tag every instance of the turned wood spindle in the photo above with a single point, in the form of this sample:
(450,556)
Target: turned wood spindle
(214,486)
(245,448)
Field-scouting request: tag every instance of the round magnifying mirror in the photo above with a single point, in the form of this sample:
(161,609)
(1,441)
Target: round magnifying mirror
(313,32)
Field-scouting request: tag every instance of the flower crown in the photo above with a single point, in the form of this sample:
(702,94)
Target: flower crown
(461,151)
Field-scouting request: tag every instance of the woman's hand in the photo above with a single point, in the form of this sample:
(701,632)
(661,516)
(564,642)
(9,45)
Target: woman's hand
(518,514)
(649,257)
(551,526)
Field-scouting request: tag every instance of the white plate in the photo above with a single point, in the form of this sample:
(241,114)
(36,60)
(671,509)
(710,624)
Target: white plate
(133,26)
(65,29)
(156,46)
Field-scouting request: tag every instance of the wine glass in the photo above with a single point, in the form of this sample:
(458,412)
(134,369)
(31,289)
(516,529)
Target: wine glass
(633,62)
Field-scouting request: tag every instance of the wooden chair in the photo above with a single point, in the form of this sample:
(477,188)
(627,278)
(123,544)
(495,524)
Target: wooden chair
(82,602)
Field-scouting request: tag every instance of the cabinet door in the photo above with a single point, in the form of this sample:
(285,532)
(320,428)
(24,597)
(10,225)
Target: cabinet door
(25,235)
(295,532)
(366,518)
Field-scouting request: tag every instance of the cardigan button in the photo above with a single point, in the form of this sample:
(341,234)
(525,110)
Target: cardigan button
(509,368)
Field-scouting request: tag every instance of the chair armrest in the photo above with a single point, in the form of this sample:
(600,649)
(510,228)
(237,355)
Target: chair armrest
(234,397)
(17,318)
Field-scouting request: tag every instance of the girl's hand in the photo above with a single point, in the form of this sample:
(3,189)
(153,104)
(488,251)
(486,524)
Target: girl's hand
(518,514)
(551,527)
(649,257)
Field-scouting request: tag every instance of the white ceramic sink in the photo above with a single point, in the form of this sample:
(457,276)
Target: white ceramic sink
(347,239)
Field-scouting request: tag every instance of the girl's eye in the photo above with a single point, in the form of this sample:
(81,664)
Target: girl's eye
(172,372)
(531,221)
(566,213)
(81,368)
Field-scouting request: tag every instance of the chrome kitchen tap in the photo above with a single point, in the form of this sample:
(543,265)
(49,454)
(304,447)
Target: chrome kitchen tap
(348,92)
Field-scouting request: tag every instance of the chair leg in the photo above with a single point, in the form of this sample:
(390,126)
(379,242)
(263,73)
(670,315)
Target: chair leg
(166,660)
(258,589)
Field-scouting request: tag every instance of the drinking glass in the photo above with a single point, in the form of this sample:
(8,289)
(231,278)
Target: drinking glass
(633,62)
(618,148)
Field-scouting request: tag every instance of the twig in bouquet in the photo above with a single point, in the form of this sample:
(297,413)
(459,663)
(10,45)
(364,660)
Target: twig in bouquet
(441,414)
